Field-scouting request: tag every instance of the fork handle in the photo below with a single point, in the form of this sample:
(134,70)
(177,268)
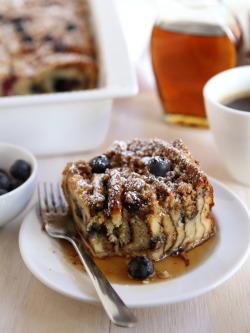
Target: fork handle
(117,311)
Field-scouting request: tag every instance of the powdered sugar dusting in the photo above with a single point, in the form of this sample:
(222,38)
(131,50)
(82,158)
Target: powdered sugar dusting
(132,208)
(115,192)
(129,183)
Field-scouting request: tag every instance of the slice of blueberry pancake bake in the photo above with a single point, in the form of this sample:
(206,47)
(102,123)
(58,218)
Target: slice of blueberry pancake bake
(143,197)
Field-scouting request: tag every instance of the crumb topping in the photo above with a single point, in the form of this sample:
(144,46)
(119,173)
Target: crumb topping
(128,183)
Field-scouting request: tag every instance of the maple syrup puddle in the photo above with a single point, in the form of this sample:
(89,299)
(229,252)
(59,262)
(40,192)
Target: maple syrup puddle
(115,269)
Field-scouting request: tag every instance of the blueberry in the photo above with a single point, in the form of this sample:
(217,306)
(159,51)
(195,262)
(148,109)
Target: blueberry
(27,38)
(20,170)
(48,38)
(2,191)
(19,26)
(61,85)
(35,88)
(16,183)
(135,205)
(100,164)
(158,166)
(96,229)
(71,26)
(140,268)
(5,183)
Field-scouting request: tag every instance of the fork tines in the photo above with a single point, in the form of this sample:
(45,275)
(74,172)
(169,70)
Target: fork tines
(51,199)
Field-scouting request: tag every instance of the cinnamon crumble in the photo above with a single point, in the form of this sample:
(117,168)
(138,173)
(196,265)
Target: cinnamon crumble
(128,209)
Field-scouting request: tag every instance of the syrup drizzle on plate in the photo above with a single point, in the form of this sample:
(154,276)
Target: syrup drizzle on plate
(115,268)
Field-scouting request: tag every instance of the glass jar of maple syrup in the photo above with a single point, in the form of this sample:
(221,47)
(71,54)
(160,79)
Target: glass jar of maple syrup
(191,41)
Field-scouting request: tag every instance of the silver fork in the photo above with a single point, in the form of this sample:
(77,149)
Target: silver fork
(59,224)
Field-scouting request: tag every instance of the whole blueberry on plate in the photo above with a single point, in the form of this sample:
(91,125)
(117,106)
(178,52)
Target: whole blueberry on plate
(158,166)
(100,164)
(20,170)
(140,268)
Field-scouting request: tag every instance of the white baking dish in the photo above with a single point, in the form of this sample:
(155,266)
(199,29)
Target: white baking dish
(74,121)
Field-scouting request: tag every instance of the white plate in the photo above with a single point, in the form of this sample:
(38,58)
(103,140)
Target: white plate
(44,259)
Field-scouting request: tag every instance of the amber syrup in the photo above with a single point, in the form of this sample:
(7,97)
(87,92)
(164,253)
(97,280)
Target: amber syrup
(184,57)
(115,269)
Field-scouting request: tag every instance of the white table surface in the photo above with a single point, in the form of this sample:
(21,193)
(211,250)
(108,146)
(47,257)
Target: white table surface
(27,306)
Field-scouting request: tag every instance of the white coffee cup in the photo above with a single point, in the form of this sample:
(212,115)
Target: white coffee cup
(230,127)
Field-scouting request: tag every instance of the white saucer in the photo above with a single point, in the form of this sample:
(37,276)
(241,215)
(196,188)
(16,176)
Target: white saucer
(45,260)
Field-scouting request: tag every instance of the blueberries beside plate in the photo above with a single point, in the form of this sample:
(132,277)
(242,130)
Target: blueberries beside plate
(18,173)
